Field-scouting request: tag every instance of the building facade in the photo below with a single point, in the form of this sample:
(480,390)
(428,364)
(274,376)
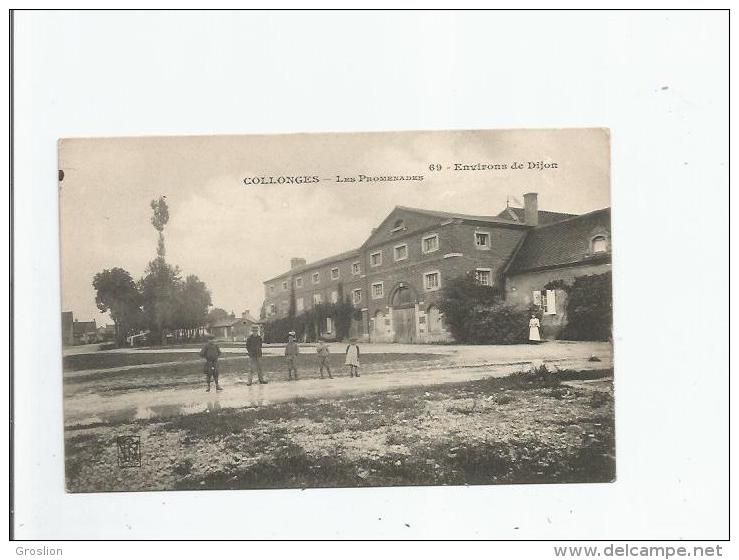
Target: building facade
(396,277)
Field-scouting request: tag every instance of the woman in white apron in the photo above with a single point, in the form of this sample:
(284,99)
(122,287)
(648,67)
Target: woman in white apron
(352,358)
(534,330)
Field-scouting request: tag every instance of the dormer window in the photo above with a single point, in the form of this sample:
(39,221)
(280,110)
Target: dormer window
(399,225)
(482,240)
(599,244)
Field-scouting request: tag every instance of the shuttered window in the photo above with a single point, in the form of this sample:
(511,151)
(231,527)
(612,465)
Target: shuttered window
(550,303)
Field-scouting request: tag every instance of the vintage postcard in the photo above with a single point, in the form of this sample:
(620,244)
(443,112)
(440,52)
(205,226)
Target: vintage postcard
(337,310)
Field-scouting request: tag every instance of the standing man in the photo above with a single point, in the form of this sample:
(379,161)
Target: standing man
(291,352)
(211,352)
(254,349)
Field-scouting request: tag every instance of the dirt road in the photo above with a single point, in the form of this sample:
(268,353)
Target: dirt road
(455,364)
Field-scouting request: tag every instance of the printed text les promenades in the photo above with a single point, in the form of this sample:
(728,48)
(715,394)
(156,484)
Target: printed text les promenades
(433,168)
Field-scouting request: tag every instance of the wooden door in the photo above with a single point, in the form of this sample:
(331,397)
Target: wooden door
(404,325)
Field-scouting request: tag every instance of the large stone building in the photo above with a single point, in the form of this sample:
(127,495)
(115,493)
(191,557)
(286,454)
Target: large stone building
(395,278)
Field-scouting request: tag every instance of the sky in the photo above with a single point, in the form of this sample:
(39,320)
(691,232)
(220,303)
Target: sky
(234,236)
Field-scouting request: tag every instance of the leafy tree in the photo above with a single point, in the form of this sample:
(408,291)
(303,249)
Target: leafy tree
(216,314)
(159,219)
(160,288)
(194,301)
(116,293)
(590,308)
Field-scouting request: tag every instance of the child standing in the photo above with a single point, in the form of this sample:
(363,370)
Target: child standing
(352,358)
(211,352)
(323,353)
(291,352)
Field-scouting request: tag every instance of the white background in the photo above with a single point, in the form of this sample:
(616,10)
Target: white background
(658,80)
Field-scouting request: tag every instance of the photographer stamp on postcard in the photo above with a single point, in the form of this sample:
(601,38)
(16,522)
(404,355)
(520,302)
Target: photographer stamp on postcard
(337,310)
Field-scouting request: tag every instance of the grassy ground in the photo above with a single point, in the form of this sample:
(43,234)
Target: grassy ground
(519,429)
(101,360)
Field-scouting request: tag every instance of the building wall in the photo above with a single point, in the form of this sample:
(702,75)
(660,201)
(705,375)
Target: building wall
(520,289)
(280,295)
(455,256)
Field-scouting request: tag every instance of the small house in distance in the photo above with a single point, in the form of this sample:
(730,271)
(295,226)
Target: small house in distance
(78,332)
(232,328)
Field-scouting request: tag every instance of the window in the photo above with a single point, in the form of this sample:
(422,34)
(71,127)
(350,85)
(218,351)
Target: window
(399,225)
(356,268)
(547,300)
(316,299)
(299,282)
(334,274)
(430,243)
(316,277)
(329,325)
(484,276)
(272,289)
(378,290)
(482,239)
(536,297)
(356,295)
(376,258)
(284,285)
(299,304)
(272,309)
(334,297)
(400,252)
(431,281)
(599,244)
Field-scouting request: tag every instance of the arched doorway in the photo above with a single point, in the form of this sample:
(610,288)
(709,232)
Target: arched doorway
(403,301)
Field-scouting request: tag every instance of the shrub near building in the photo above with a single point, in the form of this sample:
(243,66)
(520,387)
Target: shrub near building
(589,308)
(477,314)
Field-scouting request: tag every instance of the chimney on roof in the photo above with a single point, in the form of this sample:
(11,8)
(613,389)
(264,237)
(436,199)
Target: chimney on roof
(244,313)
(531,209)
(295,262)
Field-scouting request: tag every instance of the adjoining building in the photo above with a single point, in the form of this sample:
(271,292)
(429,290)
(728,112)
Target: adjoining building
(395,278)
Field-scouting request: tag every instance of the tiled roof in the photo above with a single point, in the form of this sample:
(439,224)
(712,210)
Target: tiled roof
(500,219)
(231,321)
(545,216)
(224,322)
(317,264)
(562,243)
